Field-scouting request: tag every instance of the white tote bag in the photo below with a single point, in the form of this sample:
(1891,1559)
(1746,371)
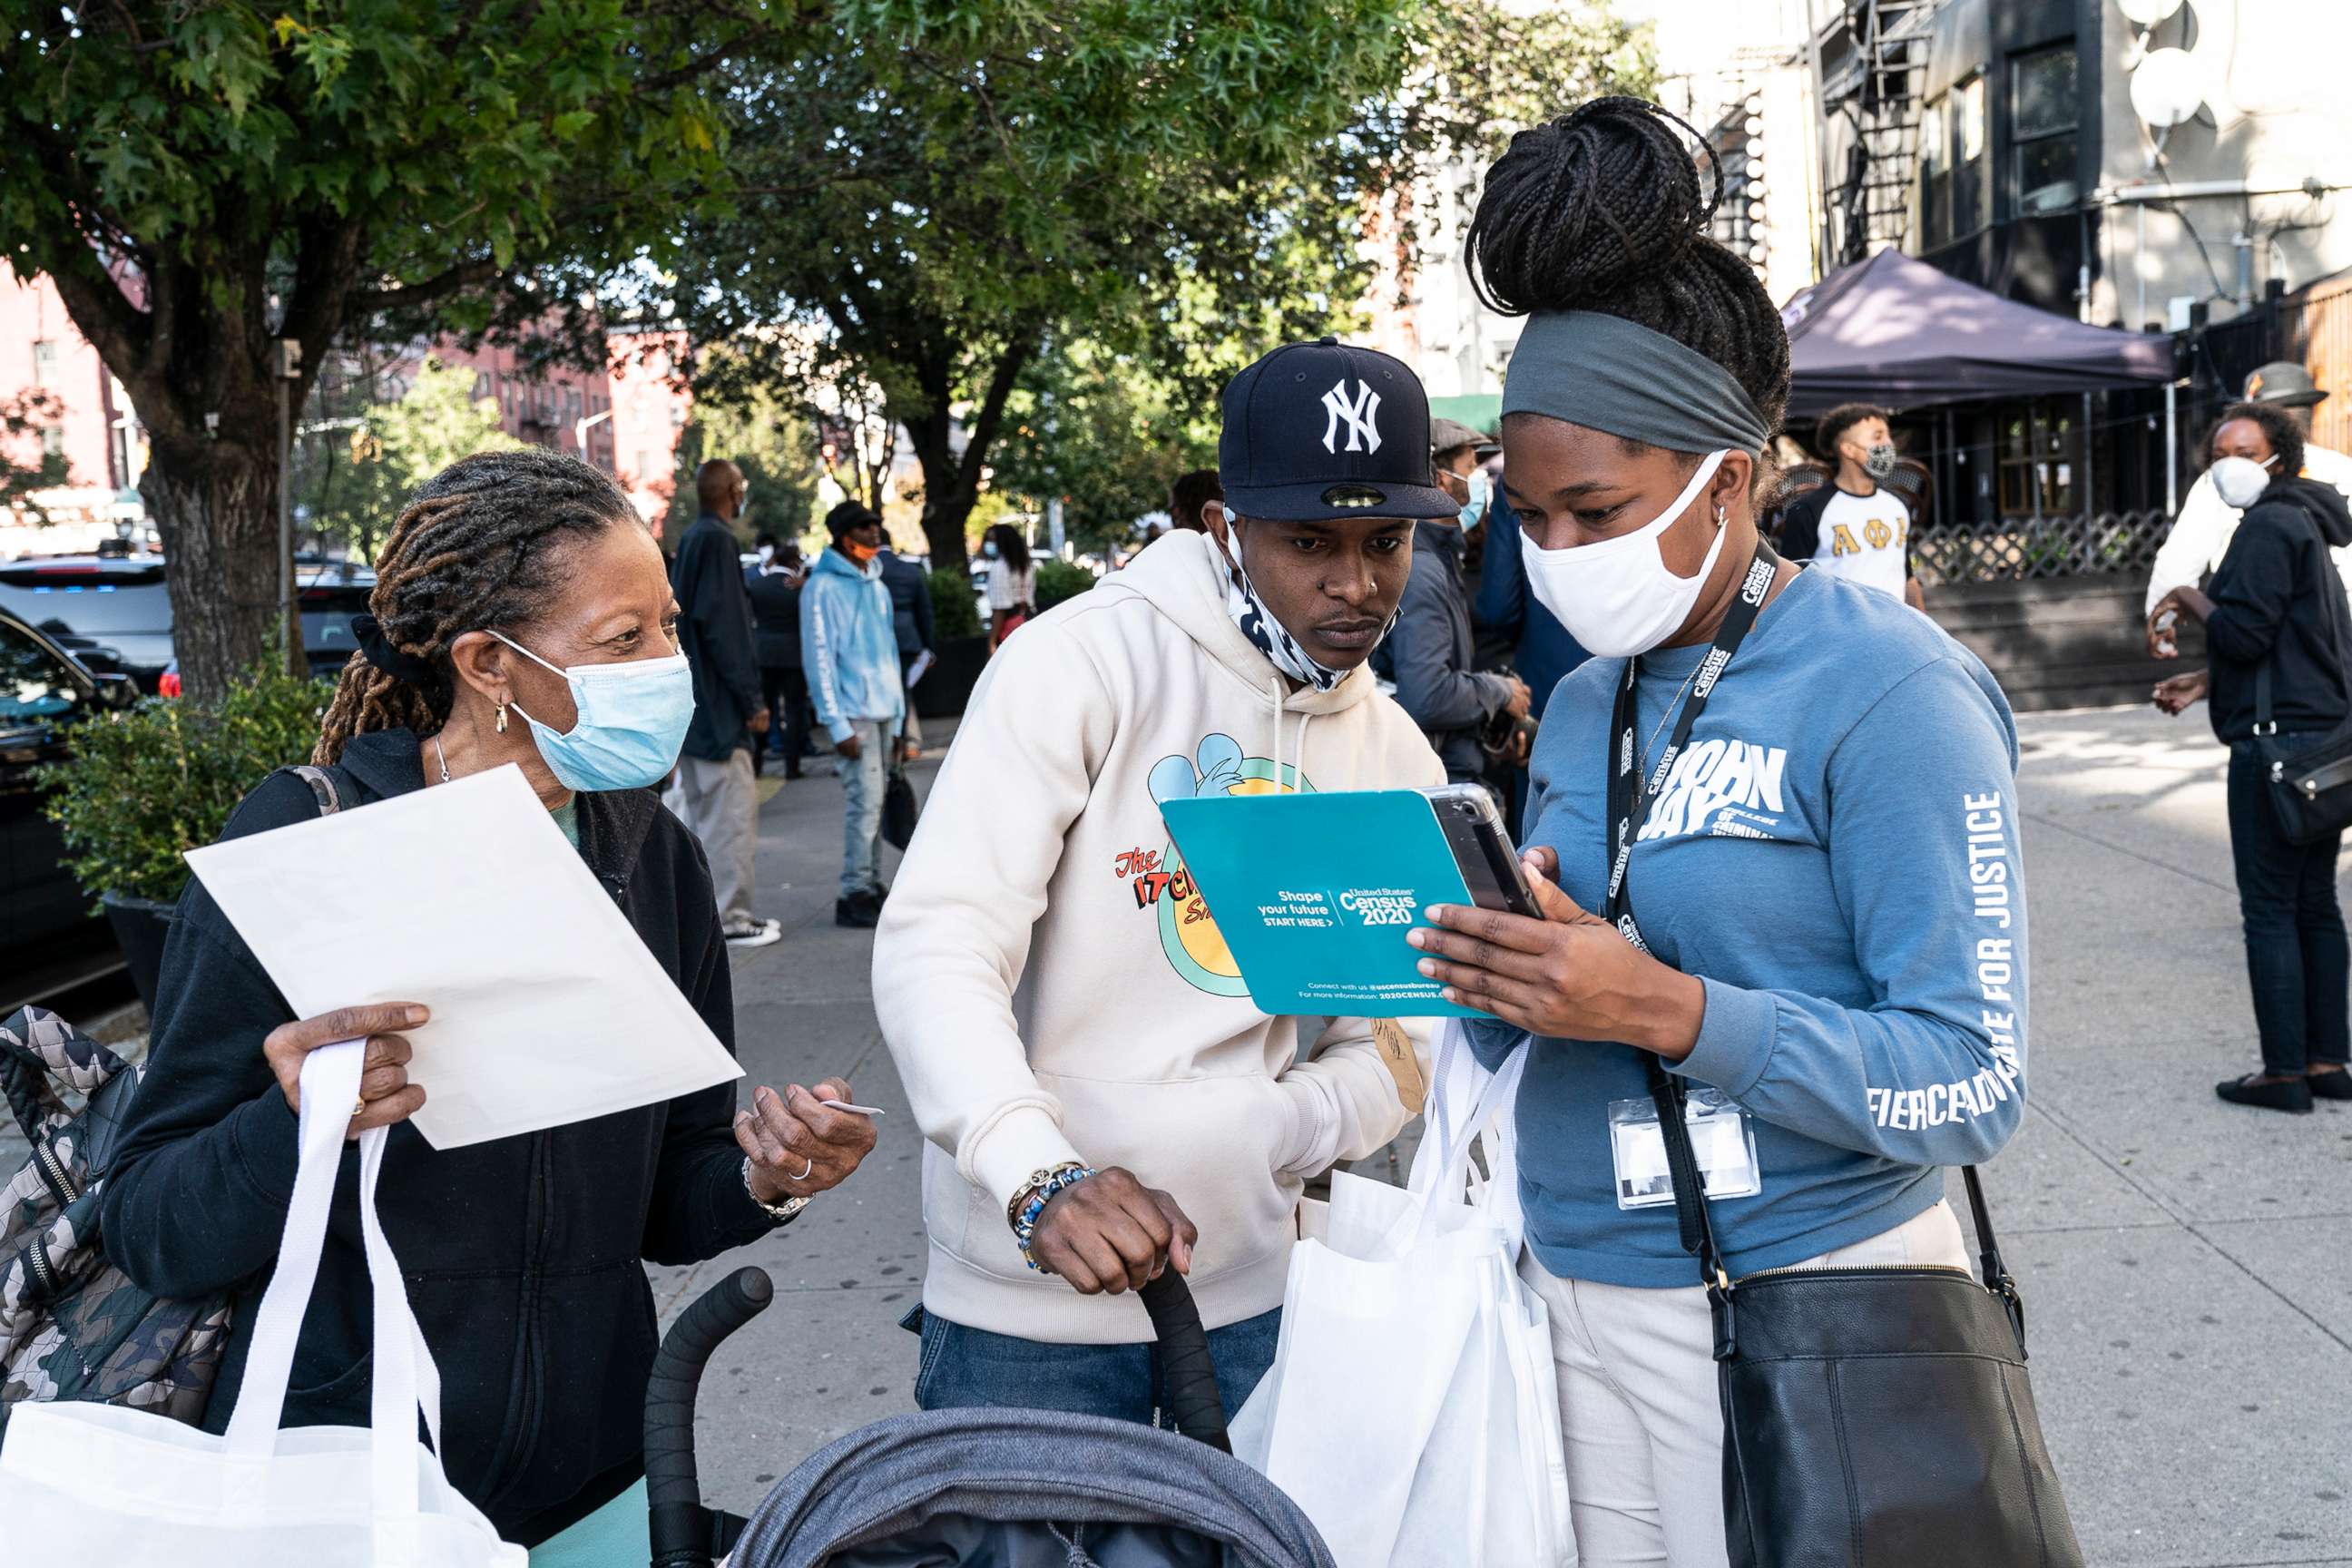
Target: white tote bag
(98,1483)
(1412,1409)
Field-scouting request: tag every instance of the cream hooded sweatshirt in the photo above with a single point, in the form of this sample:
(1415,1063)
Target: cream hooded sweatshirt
(1051,984)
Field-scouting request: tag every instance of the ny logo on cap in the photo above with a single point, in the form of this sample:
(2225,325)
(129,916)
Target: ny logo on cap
(1360,416)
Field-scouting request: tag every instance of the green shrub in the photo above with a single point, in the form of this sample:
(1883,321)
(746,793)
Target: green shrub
(955,610)
(1059,580)
(143,787)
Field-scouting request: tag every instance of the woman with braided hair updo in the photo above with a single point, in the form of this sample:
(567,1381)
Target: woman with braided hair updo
(522,615)
(1772,829)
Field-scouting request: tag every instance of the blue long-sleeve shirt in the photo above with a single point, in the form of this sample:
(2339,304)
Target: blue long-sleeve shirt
(1835,854)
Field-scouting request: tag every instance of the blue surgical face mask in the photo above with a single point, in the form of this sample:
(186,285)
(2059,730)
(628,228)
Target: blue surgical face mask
(989,550)
(1475,507)
(631,722)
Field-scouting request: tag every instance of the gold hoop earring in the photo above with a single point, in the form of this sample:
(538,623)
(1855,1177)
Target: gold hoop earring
(503,718)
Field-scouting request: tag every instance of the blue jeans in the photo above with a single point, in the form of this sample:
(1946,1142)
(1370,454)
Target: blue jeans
(861,783)
(2296,956)
(963,1367)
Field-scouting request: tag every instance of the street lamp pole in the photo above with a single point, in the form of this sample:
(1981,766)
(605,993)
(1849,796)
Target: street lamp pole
(285,368)
(580,430)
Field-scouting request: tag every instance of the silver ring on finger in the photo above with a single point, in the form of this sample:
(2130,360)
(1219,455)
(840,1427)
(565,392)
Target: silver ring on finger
(805,1169)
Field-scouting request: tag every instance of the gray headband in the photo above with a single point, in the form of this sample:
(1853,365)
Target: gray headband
(1608,373)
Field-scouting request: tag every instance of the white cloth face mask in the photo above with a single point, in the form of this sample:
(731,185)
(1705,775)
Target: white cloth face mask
(1616,597)
(2240,481)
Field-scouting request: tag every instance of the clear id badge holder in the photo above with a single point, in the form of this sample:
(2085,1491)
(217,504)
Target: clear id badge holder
(1720,1135)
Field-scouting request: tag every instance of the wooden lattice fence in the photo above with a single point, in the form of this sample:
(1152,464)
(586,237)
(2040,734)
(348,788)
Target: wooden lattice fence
(2022,549)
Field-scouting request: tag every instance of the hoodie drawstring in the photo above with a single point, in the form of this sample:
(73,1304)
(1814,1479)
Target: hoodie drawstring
(1298,755)
(1274,695)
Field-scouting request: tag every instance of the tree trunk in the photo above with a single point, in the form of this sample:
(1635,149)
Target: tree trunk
(216,504)
(947,504)
(951,481)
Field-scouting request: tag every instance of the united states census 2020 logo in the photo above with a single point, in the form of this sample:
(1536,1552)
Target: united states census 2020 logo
(1379,906)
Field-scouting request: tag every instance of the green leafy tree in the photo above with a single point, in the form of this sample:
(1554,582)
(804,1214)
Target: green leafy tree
(757,430)
(354,480)
(1477,72)
(938,215)
(25,467)
(1049,244)
(1108,431)
(203,177)
(1108,438)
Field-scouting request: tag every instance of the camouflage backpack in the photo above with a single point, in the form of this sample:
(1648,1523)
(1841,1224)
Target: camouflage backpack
(72,1326)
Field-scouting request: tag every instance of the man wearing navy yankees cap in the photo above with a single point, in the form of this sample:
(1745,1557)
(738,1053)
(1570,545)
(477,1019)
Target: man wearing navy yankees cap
(1100,1096)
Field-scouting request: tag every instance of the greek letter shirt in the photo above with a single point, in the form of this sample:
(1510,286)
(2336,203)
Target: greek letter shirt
(1835,854)
(1864,539)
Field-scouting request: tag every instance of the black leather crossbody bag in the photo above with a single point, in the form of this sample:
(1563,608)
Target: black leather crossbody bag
(1872,1417)
(2311,787)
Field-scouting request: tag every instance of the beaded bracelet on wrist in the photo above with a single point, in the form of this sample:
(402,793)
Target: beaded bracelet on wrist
(1024,1228)
(1026,1189)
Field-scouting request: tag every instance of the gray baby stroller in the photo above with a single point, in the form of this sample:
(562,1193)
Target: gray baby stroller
(982,1489)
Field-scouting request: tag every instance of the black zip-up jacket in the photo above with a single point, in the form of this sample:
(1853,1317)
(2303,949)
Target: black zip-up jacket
(714,632)
(2277,599)
(910,602)
(775,616)
(523,1256)
(1428,653)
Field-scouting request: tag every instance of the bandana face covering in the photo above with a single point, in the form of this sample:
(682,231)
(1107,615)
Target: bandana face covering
(1267,634)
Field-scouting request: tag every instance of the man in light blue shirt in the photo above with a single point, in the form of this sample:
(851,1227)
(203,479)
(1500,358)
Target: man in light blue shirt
(850,645)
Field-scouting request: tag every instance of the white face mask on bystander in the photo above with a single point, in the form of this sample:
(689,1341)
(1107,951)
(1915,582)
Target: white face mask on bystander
(2240,481)
(1616,597)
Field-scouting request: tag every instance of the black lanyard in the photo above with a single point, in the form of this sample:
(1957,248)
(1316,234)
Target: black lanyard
(1632,792)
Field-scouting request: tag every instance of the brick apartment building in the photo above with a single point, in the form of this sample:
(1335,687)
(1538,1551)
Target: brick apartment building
(626,419)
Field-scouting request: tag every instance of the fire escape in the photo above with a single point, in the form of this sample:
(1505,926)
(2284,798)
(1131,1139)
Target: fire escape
(1870,65)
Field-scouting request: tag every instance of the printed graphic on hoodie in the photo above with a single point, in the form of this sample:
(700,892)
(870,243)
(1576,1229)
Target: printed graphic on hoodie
(1195,948)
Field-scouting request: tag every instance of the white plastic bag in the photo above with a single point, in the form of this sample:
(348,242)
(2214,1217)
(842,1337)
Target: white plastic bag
(1412,1409)
(98,1483)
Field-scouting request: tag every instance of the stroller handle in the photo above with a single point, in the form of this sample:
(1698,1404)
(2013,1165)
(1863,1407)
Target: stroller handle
(1184,1360)
(679,1528)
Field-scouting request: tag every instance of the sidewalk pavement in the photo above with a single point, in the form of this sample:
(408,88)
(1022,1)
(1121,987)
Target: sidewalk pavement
(2186,1264)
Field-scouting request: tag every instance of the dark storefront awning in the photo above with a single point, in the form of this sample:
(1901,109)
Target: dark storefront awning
(1895,331)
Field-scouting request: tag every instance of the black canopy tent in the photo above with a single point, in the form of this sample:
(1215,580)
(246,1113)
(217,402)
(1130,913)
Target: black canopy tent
(1894,330)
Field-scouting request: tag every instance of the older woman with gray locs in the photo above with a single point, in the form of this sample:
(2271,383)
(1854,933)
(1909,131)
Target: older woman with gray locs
(521,615)
(1773,831)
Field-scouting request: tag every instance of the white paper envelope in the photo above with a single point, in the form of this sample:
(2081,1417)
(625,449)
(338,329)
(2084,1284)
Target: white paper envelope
(547,1008)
